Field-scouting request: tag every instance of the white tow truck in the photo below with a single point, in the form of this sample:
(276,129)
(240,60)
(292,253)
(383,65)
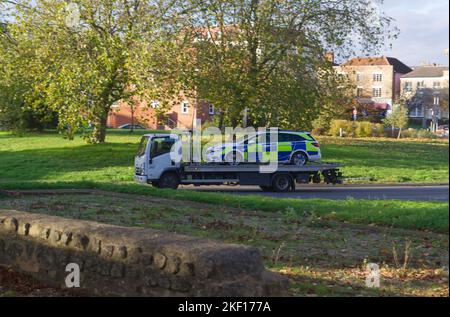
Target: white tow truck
(154,164)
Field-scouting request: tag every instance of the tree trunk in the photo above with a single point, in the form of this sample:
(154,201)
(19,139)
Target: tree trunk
(399,133)
(132,120)
(221,118)
(99,131)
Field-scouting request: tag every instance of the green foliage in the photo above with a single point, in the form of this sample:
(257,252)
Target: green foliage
(269,57)
(111,52)
(16,112)
(363,129)
(398,118)
(338,125)
(378,130)
(418,134)
(358,129)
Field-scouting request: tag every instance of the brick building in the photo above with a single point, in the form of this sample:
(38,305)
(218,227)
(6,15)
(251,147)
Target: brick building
(376,80)
(182,114)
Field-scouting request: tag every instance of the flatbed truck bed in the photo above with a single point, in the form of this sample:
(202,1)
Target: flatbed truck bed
(282,179)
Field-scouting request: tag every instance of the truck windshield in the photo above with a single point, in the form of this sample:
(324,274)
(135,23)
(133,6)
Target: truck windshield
(142,146)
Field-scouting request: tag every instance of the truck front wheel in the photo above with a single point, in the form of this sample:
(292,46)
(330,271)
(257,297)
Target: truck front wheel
(169,180)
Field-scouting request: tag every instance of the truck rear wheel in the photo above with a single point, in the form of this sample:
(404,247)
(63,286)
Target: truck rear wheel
(282,182)
(169,180)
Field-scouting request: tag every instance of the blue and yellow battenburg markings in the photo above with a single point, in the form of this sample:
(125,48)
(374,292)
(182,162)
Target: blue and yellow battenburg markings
(281,151)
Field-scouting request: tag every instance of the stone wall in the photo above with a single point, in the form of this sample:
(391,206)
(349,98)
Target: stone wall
(132,261)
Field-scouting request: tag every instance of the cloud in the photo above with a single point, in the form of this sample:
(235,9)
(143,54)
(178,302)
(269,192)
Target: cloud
(424,30)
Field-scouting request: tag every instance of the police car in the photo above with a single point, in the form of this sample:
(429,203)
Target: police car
(296,148)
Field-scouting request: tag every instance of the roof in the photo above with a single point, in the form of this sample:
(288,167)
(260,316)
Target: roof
(399,67)
(427,71)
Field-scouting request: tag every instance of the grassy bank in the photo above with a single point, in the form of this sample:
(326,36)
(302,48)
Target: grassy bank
(322,257)
(432,216)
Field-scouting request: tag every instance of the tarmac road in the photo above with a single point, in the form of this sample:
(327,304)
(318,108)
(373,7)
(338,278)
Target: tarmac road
(373,192)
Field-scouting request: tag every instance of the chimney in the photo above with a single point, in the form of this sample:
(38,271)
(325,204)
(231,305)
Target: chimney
(329,56)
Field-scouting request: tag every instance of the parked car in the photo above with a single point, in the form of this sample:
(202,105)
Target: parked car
(129,126)
(296,148)
(442,131)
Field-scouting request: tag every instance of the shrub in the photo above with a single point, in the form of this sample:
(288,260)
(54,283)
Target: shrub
(378,130)
(425,134)
(317,131)
(347,127)
(360,129)
(409,134)
(363,129)
(418,134)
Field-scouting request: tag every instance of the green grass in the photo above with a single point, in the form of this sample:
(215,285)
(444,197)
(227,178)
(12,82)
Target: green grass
(389,161)
(49,157)
(431,216)
(49,161)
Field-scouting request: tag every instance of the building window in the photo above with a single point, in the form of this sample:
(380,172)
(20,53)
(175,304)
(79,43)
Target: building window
(416,112)
(377,77)
(211,109)
(436,85)
(421,85)
(376,92)
(436,101)
(359,92)
(408,86)
(185,107)
(359,77)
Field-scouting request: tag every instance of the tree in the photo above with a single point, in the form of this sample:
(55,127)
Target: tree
(16,114)
(269,55)
(82,58)
(398,118)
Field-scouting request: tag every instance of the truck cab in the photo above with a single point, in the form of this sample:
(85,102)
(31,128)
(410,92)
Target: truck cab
(153,157)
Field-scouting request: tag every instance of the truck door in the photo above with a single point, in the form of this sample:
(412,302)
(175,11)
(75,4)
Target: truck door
(160,158)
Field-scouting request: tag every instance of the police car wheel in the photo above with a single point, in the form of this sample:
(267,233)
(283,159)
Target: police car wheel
(282,183)
(233,158)
(169,180)
(299,159)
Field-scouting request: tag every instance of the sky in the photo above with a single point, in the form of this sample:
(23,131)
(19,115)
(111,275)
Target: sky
(424,30)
